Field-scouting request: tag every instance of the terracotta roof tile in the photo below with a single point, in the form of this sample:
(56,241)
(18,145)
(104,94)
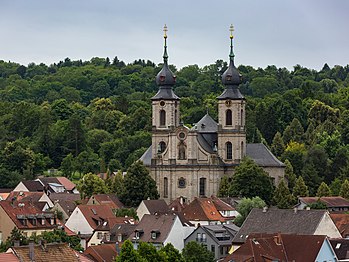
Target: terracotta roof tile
(108,199)
(64,196)
(8,257)
(69,185)
(329,201)
(26,196)
(102,253)
(342,223)
(95,214)
(158,206)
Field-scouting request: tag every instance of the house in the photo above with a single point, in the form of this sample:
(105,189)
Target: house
(69,186)
(47,252)
(102,253)
(105,199)
(121,232)
(287,221)
(160,230)
(51,184)
(40,199)
(29,186)
(65,203)
(204,211)
(341,248)
(284,247)
(216,238)
(333,203)
(152,207)
(342,223)
(86,218)
(102,233)
(8,257)
(26,217)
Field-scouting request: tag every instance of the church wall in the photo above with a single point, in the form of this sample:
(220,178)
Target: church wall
(277,173)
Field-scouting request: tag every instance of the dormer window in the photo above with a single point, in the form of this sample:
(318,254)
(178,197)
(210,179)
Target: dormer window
(155,234)
(138,233)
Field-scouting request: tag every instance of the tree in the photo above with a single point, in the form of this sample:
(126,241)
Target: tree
(300,188)
(91,184)
(128,254)
(16,235)
(149,252)
(278,146)
(195,252)
(345,189)
(294,132)
(295,153)
(61,236)
(117,185)
(245,206)
(250,180)
(323,190)
(335,186)
(126,212)
(138,185)
(282,197)
(317,205)
(171,254)
(289,175)
(68,165)
(224,187)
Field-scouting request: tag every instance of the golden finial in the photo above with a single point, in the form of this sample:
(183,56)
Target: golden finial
(165,31)
(231,29)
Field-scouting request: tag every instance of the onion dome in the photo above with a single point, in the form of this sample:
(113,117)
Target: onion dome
(165,79)
(231,78)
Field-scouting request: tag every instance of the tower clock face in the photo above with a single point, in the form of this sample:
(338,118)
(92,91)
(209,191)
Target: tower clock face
(228,103)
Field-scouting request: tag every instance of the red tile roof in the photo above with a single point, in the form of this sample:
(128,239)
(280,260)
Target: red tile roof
(329,201)
(156,206)
(342,223)
(8,257)
(280,247)
(221,205)
(203,209)
(27,212)
(102,253)
(69,185)
(96,214)
(25,196)
(108,199)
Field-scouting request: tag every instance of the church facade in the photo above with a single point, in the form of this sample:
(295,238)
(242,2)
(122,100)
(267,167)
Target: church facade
(190,162)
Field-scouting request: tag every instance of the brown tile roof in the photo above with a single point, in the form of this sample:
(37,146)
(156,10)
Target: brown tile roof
(3,196)
(342,223)
(47,180)
(51,252)
(341,248)
(26,196)
(96,214)
(33,186)
(108,199)
(202,209)
(67,206)
(157,206)
(162,224)
(110,222)
(27,212)
(5,190)
(278,247)
(335,201)
(8,257)
(285,221)
(102,253)
(64,196)
(125,230)
(69,185)
(177,205)
(221,205)
(68,231)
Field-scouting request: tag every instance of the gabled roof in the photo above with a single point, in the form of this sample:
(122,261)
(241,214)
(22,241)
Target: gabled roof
(111,222)
(330,202)
(177,205)
(108,199)
(95,214)
(286,221)
(206,125)
(262,155)
(162,224)
(202,209)
(69,185)
(102,253)
(225,237)
(67,206)
(279,247)
(51,252)
(64,196)
(156,206)
(33,186)
(25,196)
(46,180)
(8,257)
(221,205)
(341,248)
(124,229)
(19,211)
(342,223)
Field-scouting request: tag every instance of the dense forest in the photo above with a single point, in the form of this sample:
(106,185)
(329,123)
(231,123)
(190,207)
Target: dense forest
(94,116)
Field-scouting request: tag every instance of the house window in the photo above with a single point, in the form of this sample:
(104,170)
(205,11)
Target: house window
(99,235)
(181,151)
(228,118)
(221,250)
(119,238)
(42,221)
(213,249)
(107,237)
(198,237)
(153,235)
(161,147)
(204,239)
(162,117)
(165,187)
(229,148)
(34,222)
(202,186)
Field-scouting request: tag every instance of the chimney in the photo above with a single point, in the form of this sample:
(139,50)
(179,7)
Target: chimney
(277,239)
(31,251)
(295,210)
(265,209)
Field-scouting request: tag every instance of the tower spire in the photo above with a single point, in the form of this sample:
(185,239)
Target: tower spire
(231,55)
(165,46)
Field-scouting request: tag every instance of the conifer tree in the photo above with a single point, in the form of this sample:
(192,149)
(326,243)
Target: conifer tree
(277,146)
(293,132)
(289,174)
(282,197)
(345,189)
(224,187)
(300,188)
(323,190)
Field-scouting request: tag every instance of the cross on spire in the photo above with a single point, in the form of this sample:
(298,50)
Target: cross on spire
(231,29)
(165,31)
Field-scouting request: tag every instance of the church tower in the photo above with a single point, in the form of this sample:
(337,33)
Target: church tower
(165,106)
(231,114)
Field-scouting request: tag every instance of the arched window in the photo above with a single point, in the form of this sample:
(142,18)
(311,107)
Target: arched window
(202,186)
(161,147)
(175,120)
(181,151)
(242,118)
(165,187)
(242,149)
(228,118)
(162,118)
(229,150)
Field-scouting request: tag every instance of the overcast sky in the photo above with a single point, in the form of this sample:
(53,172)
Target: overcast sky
(267,32)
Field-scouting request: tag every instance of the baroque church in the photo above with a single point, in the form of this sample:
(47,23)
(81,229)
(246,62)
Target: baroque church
(190,162)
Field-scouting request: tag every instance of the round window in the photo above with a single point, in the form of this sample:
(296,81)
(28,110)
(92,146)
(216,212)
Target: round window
(162,103)
(181,182)
(181,135)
